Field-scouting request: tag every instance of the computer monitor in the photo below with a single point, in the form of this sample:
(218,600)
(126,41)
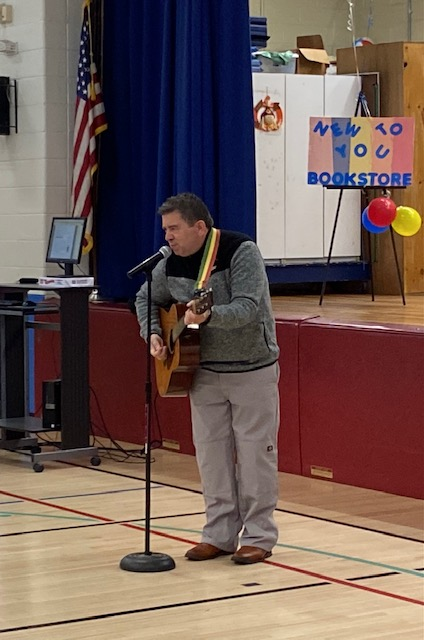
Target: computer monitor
(66,241)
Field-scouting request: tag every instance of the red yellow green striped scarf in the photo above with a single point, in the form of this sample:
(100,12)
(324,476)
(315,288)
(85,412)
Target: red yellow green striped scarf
(208,259)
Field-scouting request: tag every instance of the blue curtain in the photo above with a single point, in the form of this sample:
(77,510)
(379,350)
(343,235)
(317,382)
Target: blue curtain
(178,95)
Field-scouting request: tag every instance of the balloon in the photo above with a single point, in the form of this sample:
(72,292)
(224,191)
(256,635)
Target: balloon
(381,211)
(360,42)
(407,222)
(372,228)
(87,244)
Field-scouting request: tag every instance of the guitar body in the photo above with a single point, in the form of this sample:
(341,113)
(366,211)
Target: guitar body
(174,375)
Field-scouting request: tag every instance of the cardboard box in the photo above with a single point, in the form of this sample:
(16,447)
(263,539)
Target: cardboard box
(313,58)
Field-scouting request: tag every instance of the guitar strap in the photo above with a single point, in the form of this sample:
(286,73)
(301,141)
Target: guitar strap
(208,259)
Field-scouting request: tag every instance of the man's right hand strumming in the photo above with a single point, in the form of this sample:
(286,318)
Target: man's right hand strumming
(157,348)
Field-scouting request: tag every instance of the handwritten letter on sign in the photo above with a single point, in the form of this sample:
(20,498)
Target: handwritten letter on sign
(361,152)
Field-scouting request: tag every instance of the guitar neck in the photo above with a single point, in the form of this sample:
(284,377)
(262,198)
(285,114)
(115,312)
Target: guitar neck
(202,302)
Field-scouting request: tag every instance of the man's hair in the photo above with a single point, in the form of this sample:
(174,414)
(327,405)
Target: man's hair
(190,206)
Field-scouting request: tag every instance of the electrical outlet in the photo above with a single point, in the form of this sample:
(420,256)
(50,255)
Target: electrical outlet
(7,46)
(6,13)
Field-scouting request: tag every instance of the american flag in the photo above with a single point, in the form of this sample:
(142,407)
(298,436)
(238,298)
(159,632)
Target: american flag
(90,120)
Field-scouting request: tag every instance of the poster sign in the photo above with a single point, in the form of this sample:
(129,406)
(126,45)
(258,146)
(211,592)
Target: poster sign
(361,152)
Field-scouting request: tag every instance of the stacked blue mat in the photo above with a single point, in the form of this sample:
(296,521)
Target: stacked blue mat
(258,39)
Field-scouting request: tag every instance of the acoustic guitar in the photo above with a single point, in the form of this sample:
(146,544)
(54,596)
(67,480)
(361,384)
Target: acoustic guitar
(174,375)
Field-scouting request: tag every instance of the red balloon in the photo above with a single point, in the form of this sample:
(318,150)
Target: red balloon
(381,211)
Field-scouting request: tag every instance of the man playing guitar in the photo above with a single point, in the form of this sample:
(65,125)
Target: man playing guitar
(234,391)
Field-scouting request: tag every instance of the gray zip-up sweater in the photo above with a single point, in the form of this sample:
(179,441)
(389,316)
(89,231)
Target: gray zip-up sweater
(240,334)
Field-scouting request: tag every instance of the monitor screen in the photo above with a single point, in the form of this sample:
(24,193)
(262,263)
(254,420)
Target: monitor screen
(66,240)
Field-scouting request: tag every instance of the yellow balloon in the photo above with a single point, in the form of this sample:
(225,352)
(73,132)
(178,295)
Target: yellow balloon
(407,222)
(88,244)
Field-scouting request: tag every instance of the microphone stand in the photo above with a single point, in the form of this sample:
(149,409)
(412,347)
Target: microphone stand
(147,561)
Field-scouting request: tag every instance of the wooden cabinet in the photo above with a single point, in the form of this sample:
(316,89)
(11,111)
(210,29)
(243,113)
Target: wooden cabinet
(294,219)
(401,69)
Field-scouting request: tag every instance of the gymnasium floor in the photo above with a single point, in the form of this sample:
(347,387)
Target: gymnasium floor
(348,565)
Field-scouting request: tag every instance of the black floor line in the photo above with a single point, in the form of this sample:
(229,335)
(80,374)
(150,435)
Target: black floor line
(376,575)
(192,603)
(179,515)
(188,603)
(163,607)
(98,524)
(295,513)
(353,526)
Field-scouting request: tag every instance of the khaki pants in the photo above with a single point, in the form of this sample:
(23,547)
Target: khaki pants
(235,420)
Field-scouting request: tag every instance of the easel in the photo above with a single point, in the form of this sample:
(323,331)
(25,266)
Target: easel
(361,102)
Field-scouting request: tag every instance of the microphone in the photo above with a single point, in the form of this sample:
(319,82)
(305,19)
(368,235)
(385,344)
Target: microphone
(150,263)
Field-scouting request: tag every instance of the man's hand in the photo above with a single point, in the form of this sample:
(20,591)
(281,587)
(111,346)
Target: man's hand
(157,348)
(190,317)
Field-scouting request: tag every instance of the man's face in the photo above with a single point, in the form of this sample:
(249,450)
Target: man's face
(183,239)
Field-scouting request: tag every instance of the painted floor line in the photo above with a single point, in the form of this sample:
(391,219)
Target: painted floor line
(268,562)
(381,565)
(83,495)
(156,528)
(8,514)
(163,607)
(279,509)
(93,523)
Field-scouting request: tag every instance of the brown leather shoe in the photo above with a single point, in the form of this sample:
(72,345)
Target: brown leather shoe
(250,555)
(205,551)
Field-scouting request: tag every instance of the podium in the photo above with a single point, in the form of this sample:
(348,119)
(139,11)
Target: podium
(18,430)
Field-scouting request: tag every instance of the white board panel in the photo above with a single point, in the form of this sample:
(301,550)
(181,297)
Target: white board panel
(340,98)
(304,203)
(270,163)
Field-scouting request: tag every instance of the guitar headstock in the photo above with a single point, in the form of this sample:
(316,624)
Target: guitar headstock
(203,300)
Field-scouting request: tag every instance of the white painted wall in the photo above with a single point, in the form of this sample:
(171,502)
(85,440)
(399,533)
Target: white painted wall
(390,19)
(287,19)
(35,163)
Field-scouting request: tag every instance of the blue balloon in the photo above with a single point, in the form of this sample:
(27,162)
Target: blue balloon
(369,226)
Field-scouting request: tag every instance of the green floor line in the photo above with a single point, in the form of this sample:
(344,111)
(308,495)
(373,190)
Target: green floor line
(382,565)
(6,514)
(412,572)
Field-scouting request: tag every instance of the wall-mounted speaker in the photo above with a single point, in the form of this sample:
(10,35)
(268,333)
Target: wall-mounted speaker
(4,106)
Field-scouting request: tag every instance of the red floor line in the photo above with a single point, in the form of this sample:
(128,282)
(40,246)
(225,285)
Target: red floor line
(345,583)
(305,572)
(91,515)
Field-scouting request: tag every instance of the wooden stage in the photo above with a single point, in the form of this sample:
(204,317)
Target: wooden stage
(355,308)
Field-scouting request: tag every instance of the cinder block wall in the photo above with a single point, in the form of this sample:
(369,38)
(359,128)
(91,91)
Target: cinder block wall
(35,163)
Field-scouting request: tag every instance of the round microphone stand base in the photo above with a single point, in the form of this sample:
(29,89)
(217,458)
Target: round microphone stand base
(147,562)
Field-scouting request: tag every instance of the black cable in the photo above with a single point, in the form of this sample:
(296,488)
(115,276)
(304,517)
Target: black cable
(116,452)
(128,453)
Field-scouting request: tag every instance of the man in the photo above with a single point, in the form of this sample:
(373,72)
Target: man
(234,396)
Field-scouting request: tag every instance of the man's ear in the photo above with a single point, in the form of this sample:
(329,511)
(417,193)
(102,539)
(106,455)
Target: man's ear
(201,227)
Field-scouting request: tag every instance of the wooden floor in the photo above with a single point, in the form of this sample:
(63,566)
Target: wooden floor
(355,308)
(348,565)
